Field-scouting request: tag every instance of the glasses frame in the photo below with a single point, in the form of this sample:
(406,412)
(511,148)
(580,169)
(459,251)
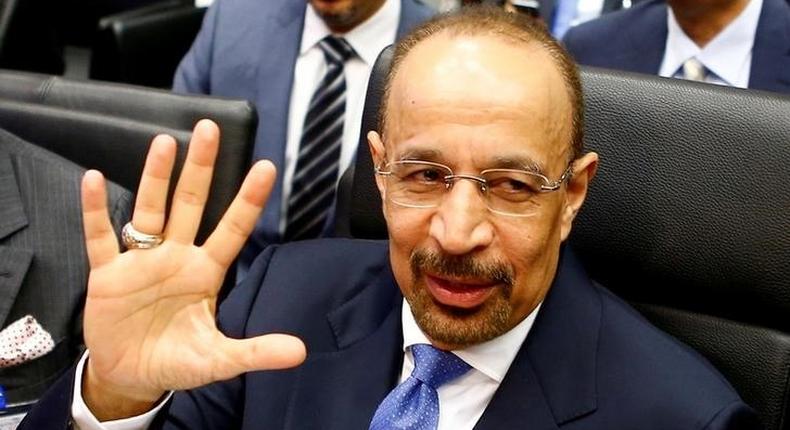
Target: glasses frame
(449,180)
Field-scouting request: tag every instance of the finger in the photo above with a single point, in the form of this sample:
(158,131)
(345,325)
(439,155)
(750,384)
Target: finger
(267,352)
(100,239)
(151,202)
(193,185)
(239,220)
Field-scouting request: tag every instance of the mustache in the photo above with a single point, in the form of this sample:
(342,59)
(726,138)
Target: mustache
(461,266)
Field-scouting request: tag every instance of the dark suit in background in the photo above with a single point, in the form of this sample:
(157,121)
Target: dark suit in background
(248,49)
(634,40)
(590,362)
(43,265)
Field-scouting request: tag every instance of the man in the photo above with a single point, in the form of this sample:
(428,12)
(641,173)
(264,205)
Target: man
(272,53)
(739,43)
(43,265)
(481,170)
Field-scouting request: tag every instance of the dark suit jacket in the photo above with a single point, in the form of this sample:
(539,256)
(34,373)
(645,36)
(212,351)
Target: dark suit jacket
(248,49)
(43,265)
(590,361)
(634,40)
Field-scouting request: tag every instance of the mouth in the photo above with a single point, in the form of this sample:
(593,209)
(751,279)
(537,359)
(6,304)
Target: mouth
(459,293)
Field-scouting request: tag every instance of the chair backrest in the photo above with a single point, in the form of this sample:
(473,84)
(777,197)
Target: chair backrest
(144,46)
(686,218)
(109,126)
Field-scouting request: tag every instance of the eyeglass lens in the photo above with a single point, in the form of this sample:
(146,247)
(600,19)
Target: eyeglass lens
(423,184)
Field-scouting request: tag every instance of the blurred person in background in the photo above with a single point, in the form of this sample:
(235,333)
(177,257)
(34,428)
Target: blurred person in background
(305,65)
(739,43)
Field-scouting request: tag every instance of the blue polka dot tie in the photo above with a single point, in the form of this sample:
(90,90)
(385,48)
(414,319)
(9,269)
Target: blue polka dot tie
(414,404)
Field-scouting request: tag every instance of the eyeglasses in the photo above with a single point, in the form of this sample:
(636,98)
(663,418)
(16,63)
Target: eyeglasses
(423,184)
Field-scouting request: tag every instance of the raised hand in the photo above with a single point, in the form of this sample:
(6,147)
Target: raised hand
(149,316)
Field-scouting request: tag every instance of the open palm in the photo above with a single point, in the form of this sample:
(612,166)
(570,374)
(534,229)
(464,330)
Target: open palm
(150,313)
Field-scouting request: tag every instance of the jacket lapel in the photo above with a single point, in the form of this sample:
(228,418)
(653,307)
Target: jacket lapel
(552,381)
(770,69)
(342,389)
(14,262)
(519,402)
(644,40)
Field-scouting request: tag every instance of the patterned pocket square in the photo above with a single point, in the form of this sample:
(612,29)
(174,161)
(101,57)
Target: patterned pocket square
(22,341)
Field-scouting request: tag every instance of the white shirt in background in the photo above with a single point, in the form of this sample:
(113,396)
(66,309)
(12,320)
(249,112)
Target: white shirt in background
(728,57)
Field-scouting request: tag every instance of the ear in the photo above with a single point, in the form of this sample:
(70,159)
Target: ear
(583,171)
(378,154)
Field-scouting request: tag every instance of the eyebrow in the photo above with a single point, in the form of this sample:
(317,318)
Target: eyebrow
(515,162)
(421,154)
(519,163)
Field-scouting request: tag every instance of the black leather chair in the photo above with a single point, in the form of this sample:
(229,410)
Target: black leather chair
(144,46)
(109,126)
(687,217)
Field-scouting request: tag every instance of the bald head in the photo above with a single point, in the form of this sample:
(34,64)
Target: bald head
(483,59)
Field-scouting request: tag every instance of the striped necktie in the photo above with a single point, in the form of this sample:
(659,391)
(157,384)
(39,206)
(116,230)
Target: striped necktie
(414,404)
(315,176)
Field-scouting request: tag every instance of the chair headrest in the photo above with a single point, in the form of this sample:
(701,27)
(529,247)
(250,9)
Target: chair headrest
(365,218)
(689,207)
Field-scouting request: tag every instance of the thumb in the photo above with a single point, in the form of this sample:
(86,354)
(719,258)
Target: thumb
(266,352)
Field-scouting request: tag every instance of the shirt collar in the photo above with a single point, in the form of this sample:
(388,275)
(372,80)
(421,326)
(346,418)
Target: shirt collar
(724,55)
(492,358)
(368,38)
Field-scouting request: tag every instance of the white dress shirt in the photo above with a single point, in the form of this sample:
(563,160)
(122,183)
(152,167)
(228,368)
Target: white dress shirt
(462,401)
(85,420)
(728,56)
(367,39)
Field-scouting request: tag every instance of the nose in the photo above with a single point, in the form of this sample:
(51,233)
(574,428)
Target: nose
(461,223)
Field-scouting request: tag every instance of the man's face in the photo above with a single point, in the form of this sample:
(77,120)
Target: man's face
(343,15)
(477,103)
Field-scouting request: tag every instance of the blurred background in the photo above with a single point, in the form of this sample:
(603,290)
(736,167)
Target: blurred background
(141,41)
